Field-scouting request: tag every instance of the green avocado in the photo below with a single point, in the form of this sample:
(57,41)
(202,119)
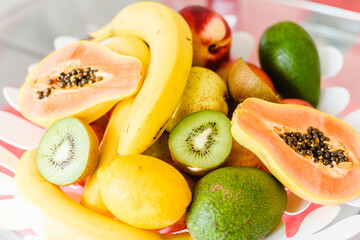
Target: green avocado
(236,203)
(289,56)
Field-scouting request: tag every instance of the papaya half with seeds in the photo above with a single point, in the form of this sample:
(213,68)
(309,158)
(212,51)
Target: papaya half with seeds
(83,80)
(315,155)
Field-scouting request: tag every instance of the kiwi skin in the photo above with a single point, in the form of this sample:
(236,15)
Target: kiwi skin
(93,153)
(195,171)
(244,83)
(93,156)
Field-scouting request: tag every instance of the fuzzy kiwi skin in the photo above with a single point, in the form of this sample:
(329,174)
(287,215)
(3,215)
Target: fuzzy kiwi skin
(93,157)
(93,154)
(244,83)
(195,171)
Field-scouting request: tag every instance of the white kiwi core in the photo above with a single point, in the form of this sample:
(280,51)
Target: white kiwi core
(201,139)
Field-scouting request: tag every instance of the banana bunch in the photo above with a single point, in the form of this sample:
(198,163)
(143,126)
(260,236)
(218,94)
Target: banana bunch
(169,39)
(170,42)
(134,125)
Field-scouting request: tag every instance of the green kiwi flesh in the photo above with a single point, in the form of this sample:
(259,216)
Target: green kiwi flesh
(201,142)
(68,152)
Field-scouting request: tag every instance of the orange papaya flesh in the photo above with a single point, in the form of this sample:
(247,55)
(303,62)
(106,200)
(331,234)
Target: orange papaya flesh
(115,77)
(258,124)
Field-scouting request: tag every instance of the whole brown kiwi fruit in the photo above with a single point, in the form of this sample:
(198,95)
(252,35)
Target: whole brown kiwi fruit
(244,83)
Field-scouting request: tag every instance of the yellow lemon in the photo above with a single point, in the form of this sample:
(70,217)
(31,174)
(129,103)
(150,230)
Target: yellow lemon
(144,191)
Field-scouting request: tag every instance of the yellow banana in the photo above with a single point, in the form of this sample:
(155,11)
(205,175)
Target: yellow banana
(170,42)
(91,197)
(56,216)
(131,46)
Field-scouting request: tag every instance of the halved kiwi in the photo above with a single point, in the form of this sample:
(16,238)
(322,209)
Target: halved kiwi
(68,152)
(201,142)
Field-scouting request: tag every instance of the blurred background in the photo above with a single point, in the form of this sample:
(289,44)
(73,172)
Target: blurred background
(28,29)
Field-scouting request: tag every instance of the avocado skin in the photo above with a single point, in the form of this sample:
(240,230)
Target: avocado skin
(289,56)
(236,203)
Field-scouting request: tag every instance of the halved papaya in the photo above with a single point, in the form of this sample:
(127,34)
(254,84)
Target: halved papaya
(315,155)
(83,79)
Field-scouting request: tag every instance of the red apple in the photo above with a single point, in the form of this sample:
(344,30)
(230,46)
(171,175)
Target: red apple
(295,101)
(211,36)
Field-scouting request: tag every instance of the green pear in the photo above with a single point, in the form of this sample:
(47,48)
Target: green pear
(205,90)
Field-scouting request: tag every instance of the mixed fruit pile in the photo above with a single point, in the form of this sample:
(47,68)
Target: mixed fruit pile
(169,134)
